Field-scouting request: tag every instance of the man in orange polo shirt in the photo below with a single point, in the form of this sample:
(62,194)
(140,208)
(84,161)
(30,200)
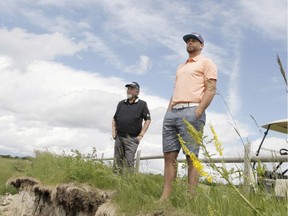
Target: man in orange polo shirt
(194,89)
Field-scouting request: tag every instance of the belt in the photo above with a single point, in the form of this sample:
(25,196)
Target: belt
(184,105)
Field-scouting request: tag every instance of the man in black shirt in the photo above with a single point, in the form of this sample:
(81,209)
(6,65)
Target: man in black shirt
(127,129)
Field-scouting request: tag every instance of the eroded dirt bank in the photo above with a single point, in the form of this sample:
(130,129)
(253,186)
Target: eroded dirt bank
(61,200)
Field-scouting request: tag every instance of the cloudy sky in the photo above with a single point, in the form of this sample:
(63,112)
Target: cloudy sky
(64,64)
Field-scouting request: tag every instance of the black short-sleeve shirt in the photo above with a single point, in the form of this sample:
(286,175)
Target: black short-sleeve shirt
(129,117)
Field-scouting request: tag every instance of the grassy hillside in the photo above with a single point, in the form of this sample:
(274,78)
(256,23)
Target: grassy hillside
(10,167)
(138,193)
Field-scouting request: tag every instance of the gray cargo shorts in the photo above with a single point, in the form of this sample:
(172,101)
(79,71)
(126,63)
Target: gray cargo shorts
(173,125)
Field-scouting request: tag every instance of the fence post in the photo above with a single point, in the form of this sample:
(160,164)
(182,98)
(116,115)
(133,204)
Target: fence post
(248,174)
(138,161)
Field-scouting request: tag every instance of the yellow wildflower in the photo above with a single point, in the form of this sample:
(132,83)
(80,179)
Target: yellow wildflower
(209,179)
(217,143)
(197,135)
(196,162)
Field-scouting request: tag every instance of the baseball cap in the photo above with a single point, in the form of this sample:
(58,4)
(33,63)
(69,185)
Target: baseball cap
(194,35)
(133,84)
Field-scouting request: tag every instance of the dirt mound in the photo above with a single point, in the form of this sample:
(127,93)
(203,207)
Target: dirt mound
(62,200)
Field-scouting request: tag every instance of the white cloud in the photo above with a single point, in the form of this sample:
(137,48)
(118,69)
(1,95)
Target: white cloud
(270,147)
(27,47)
(267,16)
(141,67)
(56,107)
(97,45)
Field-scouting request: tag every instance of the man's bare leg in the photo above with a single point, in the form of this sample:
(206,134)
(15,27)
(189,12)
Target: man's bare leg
(193,176)
(170,172)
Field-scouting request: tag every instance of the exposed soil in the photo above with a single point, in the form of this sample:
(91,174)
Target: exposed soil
(71,199)
(62,200)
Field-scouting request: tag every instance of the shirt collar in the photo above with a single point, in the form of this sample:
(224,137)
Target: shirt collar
(194,59)
(136,101)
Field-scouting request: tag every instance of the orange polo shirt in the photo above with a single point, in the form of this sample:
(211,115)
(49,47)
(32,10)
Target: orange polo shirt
(189,85)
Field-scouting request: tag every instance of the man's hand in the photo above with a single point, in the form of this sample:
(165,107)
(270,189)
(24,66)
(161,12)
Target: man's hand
(198,112)
(139,137)
(114,137)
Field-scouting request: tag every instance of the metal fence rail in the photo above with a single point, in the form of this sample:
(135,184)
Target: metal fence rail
(247,159)
(264,159)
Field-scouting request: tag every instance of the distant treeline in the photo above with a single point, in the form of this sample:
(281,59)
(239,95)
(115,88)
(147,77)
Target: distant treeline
(16,157)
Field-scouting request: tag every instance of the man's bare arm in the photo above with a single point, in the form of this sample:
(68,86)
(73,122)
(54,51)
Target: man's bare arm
(210,91)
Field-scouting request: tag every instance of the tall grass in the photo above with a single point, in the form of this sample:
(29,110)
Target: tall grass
(10,167)
(139,193)
(74,167)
